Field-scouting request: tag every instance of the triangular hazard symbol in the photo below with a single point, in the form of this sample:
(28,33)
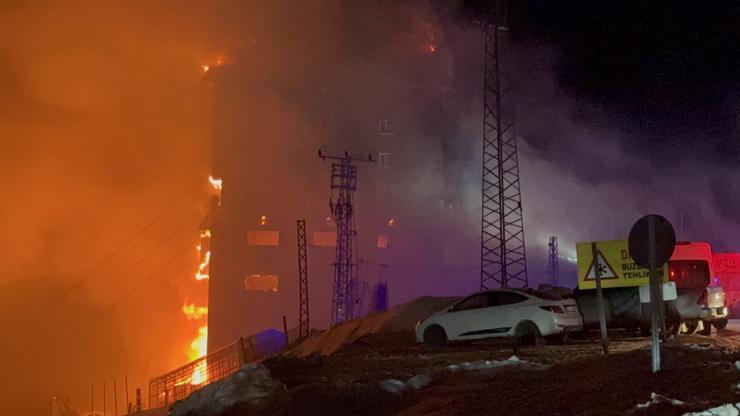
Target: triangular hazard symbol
(605,269)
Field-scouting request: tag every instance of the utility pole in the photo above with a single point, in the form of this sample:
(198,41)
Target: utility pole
(115,397)
(303,317)
(553,266)
(343,185)
(503,256)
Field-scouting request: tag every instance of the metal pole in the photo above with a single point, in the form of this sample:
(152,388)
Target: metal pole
(115,397)
(125,380)
(600,299)
(656,297)
(285,330)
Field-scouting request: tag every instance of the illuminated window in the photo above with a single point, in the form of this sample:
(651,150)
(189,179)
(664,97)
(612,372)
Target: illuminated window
(384,159)
(384,127)
(382,241)
(325,239)
(263,238)
(261,283)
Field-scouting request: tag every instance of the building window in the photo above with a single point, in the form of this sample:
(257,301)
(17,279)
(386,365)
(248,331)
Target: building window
(261,283)
(382,241)
(384,127)
(384,159)
(325,238)
(263,238)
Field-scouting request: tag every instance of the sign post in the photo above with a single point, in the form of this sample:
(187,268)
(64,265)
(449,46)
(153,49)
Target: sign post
(651,243)
(600,299)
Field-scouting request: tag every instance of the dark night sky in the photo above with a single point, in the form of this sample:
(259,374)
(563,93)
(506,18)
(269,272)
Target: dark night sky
(663,77)
(671,73)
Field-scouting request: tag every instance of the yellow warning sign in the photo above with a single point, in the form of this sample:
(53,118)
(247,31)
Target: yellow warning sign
(616,267)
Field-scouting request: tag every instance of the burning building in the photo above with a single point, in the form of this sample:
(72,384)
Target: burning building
(413,230)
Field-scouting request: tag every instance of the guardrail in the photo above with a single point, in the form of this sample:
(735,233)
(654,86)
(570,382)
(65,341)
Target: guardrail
(181,382)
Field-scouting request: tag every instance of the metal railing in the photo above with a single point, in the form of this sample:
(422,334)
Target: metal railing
(181,382)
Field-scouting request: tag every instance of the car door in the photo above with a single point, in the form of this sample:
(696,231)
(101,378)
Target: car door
(512,309)
(464,317)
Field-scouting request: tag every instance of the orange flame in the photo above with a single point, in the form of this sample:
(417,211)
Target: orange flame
(199,345)
(202,273)
(216,183)
(193,312)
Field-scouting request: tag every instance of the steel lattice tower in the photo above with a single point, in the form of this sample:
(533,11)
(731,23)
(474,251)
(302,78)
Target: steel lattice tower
(303,318)
(503,256)
(343,185)
(553,267)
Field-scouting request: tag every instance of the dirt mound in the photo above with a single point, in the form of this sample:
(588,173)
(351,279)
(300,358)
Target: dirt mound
(400,318)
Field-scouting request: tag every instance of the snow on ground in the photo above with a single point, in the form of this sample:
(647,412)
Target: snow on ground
(724,410)
(252,385)
(485,364)
(656,398)
(397,319)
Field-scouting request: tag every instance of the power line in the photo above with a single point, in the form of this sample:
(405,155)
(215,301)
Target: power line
(138,286)
(136,265)
(79,283)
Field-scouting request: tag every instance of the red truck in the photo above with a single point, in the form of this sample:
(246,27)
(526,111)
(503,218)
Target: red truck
(727,275)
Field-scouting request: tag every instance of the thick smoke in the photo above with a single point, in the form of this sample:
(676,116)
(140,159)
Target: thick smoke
(106,124)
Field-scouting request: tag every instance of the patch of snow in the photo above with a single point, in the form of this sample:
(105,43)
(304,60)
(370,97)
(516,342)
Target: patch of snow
(700,347)
(728,409)
(656,398)
(396,386)
(252,384)
(485,364)
(393,385)
(419,381)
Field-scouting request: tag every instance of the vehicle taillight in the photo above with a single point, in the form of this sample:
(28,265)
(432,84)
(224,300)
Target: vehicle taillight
(553,308)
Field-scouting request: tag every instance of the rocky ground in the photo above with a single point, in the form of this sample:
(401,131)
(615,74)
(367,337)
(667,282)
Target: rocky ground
(573,378)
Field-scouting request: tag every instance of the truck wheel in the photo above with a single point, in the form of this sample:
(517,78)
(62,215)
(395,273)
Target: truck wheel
(706,328)
(672,325)
(529,334)
(689,327)
(435,336)
(720,323)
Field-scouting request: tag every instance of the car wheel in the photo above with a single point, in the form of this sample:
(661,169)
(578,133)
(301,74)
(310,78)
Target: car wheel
(435,336)
(689,327)
(706,328)
(720,323)
(529,334)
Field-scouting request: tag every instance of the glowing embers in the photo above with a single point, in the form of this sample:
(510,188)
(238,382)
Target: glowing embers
(213,63)
(205,255)
(263,238)
(261,282)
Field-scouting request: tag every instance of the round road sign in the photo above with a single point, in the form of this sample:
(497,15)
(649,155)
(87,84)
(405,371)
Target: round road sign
(639,240)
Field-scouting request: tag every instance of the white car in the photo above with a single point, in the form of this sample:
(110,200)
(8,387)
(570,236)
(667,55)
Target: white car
(523,313)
